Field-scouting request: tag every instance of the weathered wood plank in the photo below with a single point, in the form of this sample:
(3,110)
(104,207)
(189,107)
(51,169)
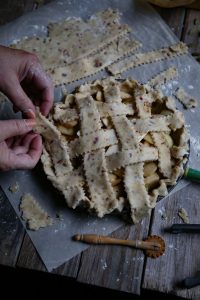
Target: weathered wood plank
(115,267)
(174,18)
(11,232)
(29,259)
(191,34)
(70,268)
(182,255)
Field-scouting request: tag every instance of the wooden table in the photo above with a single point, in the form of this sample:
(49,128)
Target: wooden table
(116,267)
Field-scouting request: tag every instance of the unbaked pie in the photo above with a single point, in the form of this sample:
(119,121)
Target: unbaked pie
(114,146)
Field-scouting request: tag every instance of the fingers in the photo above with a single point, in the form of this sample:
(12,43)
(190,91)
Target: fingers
(21,78)
(10,160)
(13,90)
(29,160)
(43,85)
(22,144)
(13,128)
(35,149)
(47,101)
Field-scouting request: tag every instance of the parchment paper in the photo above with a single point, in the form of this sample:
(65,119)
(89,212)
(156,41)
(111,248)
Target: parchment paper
(54,243)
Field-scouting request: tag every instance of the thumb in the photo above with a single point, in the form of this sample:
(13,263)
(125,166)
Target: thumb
(13,90)
(11,128)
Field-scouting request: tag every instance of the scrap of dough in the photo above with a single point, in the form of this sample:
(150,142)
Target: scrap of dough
(35,216)
(139,59)
(76,48)
(163,77)
(185,98)
(182,213)
(14,188)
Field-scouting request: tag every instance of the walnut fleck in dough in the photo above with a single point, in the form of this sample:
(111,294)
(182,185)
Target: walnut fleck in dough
(35,216)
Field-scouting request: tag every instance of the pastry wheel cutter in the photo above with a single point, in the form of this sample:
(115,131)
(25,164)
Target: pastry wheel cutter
(153,246)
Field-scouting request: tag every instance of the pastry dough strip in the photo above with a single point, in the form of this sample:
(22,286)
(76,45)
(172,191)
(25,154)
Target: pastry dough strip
(65,115)
(147,58)
(133,179)
(143,102)
(89,115)
(126,132)
(92,141)
(165,76)
(164,155)
(114,109)
(74,39)
(136,192)
(93,64)
(54,145)
(151,124)
(101,191)
(187,100)
(111,91)
(83,38)
(127,157)
(69,184)
(74,195)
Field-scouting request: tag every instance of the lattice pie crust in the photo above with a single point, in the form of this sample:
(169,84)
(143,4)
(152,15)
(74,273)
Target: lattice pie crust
(114,146)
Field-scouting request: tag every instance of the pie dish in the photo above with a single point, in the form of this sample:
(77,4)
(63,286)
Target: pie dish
(114,146)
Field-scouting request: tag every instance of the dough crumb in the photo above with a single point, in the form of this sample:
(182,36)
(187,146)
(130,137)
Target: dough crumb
(187,100)
(35,216)
(14,188)
(182,213)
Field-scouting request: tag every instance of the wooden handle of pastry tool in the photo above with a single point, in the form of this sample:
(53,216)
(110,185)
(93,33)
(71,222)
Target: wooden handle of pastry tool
(100,239)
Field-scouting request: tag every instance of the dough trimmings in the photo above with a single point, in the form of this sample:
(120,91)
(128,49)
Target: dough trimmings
(76,48)
(60,47)
(139,59)
(187,100)
(35,216)
(14,188)
(92,64)
(165,76)
(90,35)
(112,160)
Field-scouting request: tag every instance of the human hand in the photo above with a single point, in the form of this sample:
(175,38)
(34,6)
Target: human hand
(21,77)
(20,148)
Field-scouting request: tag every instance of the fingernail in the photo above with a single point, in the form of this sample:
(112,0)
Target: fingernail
(29,113)
(30,122)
